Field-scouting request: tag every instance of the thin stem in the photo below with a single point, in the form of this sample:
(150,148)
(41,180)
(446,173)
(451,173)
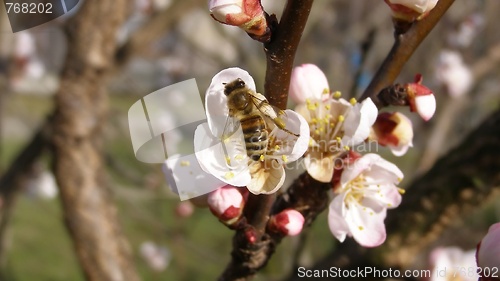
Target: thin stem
(403,48)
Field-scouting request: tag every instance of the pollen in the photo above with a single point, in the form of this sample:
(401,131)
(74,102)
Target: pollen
(327,107)
(276,147)
(311,107)
(228,160)
(229,175)
(338,139)
(261,158)
(346,147)
(326,91)
(361,228)
(353,101)
(311,142)
(308,101)
(185,163)
(238,157)
(400,179)
(284,158)
(341,118)
(401,191)
(314,121)
(316,132)
(337,94)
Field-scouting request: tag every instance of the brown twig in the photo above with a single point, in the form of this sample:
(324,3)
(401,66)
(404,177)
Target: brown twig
(403,48)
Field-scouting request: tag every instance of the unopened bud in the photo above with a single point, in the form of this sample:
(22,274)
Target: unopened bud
(246,14)
(410,10)
(393,130)
(226,203)
(288,222)
(421,99)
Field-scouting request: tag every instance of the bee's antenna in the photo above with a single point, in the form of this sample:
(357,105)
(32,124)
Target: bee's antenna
(224,83)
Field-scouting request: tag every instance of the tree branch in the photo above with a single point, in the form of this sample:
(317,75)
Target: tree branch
(249,255)
(403,48)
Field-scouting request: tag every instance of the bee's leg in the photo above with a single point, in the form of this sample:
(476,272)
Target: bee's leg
(281,125)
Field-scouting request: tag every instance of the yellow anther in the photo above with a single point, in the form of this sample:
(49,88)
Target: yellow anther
(353,101)
(326,91)
(316,104)
(322,129)
(238,157)
(389,205)
(261,158)
(311,107)
(346,147)
(284,158)
(360,228)
(276,147)
(401,191)
(185,163)
(341,118)
(311,142)
(327,106)
(314,121)
(229,175)
(328,116)
(338,139)
(316,132)
(308,101)
(228,160)
(400,179)
(337,94)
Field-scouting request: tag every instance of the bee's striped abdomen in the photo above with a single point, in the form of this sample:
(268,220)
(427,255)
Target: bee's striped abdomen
(255,134)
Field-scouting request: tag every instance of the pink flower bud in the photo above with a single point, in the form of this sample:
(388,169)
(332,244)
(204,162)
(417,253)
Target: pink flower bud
(288,222)
(393,130)
(226,203)
(184,209)
(421,98)
(308,82)
(410,10)
(246,14)
(488,253)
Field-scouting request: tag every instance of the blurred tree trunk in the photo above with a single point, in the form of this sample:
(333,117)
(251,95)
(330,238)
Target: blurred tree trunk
(78,125)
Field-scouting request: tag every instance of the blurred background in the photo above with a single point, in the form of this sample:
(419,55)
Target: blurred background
(173,41)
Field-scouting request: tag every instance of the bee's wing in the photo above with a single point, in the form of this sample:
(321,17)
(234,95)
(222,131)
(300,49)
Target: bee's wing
(270,111)
(233,142)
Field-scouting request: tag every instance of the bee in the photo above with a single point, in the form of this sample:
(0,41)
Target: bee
(252,111)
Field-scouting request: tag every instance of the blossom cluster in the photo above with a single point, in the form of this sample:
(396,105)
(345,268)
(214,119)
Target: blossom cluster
(233,160)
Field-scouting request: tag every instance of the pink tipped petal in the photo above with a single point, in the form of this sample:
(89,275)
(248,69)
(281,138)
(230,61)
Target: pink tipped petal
(425,106)
(353,170)
(288,222)
(336,220)
(308,82)
(226,202)
(367,227)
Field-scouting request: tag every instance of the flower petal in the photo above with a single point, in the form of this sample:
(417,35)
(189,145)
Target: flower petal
(308,82)
(266,180)
(216,101)
(320,166)
(336,220)
(211,154)
(352,170)
(186,178)
(358,122)
(367,226)
(293,147)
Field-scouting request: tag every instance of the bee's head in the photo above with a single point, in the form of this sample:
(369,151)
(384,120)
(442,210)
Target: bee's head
(233,85)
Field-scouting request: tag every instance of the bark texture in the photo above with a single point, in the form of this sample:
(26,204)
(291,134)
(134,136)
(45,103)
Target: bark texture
(78,125)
